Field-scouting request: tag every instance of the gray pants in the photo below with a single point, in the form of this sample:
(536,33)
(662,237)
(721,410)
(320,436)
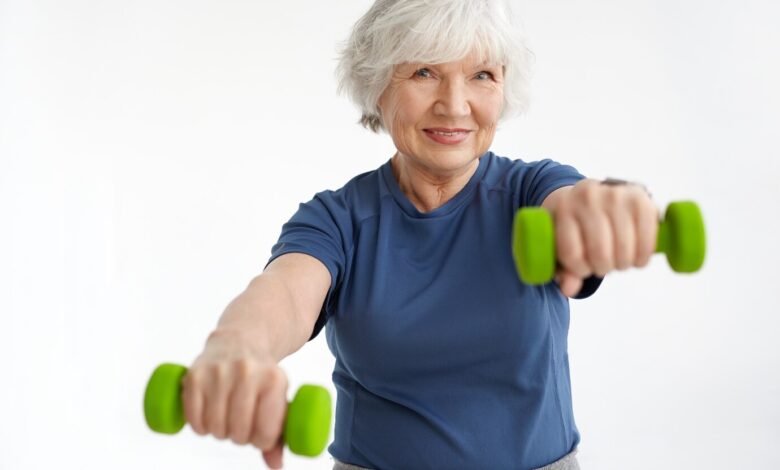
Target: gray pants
(568,462)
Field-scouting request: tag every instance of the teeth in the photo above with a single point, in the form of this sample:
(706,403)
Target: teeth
(446,133)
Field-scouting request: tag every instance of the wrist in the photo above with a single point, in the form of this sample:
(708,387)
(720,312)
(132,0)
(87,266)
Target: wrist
(241,339)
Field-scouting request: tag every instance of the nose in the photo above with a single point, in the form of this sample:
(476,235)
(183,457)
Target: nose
(452,99)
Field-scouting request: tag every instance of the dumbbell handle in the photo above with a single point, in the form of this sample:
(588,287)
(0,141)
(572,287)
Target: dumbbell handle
(307,426)
(681,236)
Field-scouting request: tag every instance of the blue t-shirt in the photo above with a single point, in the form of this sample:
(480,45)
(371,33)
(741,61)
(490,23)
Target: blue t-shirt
(444,358)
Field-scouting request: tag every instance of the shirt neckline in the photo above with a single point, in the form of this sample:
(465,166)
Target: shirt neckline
(409,208)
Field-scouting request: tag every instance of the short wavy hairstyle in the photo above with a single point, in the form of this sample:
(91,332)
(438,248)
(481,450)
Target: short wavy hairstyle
(431,31)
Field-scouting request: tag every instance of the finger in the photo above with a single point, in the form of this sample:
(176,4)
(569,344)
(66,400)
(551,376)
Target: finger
(569,246)
(597,237)
(569,283)
(192,399)
(217,402)
(273,457)
(270,411)
(242,406)
(623,235)
(647,220)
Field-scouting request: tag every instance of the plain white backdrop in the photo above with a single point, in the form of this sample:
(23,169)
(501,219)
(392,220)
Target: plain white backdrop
(150,152)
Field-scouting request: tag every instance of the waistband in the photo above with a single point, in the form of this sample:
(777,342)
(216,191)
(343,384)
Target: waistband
(567,462)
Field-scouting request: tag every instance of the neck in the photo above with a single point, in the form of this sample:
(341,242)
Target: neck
(428,189)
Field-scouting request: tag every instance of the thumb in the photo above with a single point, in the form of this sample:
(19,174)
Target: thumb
(569,283)
(273,457)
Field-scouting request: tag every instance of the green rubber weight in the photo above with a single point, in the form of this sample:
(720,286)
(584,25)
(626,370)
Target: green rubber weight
(308,421)
(533,246)
(681,235)
(306,431)
(162,401)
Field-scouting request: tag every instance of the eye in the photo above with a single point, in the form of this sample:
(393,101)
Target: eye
(423,70)
(485,72)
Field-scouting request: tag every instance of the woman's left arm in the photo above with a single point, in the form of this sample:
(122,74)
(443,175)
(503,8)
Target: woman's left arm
(600,228)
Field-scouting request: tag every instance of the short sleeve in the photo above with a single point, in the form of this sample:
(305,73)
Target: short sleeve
(543,177)
(320,228)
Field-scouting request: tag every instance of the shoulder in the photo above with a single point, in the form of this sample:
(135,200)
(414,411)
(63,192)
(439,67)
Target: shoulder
(527,183)
(357,198)
(504,173)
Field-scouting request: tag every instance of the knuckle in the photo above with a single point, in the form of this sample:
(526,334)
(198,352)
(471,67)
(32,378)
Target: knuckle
(220,371)
(644,205)
(613,194)
(193,379)
(637,199)
(277,377)
(588,195)
(644,210)
(563,206)
(244,367)
(640,192)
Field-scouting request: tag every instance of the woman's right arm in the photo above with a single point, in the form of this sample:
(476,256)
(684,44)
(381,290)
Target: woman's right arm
(279,308)
(235,388)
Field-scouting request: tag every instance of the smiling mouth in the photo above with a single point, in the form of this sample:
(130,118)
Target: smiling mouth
(446,136)
(447,132)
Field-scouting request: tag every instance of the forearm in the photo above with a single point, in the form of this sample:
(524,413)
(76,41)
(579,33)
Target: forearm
(264,317)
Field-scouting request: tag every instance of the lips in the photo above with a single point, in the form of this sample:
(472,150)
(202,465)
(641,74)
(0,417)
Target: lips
(445,130)
(448,136)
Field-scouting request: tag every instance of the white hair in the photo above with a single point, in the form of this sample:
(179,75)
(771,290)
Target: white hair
(431,31)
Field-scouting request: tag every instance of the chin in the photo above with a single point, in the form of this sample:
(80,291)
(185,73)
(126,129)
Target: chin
(453,160)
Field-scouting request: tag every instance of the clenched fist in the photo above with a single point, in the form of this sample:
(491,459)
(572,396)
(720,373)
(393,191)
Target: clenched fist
(237,392)
(600,228)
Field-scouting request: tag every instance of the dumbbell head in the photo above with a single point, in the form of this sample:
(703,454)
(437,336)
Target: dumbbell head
(533,245)
(163,408)
(682,237)
(307,428)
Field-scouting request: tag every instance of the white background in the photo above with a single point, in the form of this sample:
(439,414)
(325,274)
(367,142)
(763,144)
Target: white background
(151,150)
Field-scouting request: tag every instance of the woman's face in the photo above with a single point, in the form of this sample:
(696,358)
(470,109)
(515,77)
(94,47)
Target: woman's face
(423,100)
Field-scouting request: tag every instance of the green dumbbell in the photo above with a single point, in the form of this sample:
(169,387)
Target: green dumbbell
(680,235)
(306,429)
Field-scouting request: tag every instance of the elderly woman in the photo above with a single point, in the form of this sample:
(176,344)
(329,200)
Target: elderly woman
(444,358)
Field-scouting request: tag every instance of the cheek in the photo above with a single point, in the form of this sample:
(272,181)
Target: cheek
(402,126)
(397,110)
(406,120)
(489,114)
(410,109)
(496,105)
